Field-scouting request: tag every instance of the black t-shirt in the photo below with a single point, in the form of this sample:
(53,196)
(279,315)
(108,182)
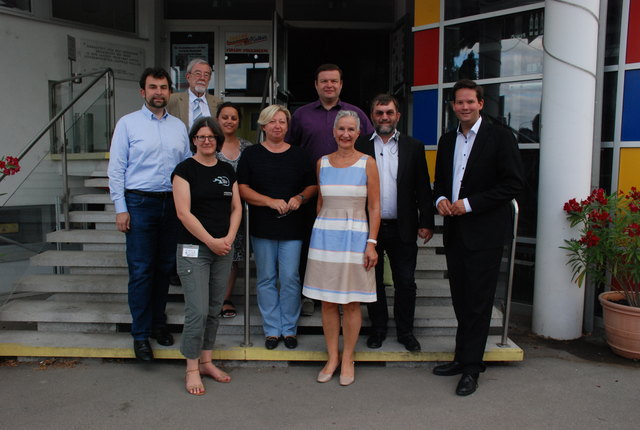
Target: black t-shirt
(279,176)
(211,191)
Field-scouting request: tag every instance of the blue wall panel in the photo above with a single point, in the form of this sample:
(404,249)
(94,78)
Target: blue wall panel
(631,106)
(425,116)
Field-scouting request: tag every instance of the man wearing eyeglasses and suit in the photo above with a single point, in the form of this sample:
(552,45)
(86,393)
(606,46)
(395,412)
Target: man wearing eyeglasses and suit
(196,102)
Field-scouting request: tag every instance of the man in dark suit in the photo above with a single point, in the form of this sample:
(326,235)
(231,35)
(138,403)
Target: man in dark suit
(407,212)
(196,101)
(478,172)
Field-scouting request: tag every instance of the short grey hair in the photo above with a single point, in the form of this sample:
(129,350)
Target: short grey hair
(197,61)
(347,113)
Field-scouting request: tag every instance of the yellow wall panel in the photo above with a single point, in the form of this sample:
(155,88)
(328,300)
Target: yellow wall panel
(629,175)
(426,12)
(431,162)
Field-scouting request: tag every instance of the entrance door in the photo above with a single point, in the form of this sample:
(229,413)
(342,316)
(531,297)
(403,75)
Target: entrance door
(279,61)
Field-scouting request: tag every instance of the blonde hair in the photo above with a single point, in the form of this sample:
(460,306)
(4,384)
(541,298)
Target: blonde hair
(269,112)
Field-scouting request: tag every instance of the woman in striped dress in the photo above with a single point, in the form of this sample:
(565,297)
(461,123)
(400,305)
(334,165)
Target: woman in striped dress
(342,252)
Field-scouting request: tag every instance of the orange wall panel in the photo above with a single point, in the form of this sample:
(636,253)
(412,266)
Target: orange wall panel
(426,12)
(629,174)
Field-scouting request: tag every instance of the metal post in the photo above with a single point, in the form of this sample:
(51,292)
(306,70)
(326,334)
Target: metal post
(65,175)
(512,257)
(247,302)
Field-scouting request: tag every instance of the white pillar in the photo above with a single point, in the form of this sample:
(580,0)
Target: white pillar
(566,140)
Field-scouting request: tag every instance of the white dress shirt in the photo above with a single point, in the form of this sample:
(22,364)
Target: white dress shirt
(387,163)
(464,145)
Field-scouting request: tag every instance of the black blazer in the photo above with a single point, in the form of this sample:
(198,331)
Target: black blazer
(493,177)
(415,201)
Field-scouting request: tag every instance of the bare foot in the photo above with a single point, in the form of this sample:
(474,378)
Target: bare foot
(218,375)
(193,382)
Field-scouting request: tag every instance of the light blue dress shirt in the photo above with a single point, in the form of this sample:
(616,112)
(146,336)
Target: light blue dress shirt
(144,152)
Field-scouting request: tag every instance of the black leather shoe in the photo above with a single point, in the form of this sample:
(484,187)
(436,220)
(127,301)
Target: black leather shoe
(410,342)
(290,342)
(271,342)
(142,349)
(467,385)
(375,340)
(448,369)
(162,336)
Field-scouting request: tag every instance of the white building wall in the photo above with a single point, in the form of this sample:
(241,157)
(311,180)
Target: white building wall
(34,51)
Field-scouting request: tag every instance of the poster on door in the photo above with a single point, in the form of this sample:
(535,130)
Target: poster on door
(247,43)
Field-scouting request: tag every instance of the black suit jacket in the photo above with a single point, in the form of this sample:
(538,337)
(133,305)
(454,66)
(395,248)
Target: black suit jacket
(493,177)
(415,202)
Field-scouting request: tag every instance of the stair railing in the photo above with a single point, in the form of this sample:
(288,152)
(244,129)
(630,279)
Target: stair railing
(60,118)
(512,256)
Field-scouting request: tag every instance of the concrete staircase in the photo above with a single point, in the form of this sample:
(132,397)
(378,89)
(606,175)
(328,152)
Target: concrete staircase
(83,312)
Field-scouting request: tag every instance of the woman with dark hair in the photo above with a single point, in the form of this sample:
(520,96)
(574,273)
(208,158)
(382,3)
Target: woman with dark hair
(228,116)
(276,178)
(208,205)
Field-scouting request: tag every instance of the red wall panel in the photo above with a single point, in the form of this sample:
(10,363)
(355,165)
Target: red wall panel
(425,57)
(633,33)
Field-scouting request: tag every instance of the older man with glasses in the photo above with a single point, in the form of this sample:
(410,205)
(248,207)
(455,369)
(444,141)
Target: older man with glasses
(195,102)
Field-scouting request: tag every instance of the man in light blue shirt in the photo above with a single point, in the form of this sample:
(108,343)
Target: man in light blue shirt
(146,147)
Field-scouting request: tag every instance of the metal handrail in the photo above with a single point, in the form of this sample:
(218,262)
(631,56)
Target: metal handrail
(512,255)
(247,313)
(64,110)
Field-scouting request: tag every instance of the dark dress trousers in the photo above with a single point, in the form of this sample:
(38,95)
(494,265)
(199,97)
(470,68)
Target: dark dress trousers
(398,237)
(474,241)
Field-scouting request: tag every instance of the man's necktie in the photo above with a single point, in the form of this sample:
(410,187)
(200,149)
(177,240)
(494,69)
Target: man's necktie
(197,112)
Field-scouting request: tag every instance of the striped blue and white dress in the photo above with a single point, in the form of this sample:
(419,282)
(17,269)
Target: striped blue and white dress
(335,266)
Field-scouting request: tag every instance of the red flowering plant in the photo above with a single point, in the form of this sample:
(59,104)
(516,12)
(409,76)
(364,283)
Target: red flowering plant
(609,242)
(9,166)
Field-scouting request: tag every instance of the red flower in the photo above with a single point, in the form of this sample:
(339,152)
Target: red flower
(590,239)
(633,207)
(9,165)
(572,206)
(632,230)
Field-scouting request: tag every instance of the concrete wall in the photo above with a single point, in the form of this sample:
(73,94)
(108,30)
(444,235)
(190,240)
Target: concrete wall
(34,51)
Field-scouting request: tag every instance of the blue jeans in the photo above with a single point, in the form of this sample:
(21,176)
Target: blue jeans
(277,260)
(151,256)
(204,282)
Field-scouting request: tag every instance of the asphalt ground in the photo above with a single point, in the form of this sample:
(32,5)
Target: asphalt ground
(560,385)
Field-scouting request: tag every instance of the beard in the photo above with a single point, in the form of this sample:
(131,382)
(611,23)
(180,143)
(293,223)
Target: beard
(157,103)
(385,129)
(200,89)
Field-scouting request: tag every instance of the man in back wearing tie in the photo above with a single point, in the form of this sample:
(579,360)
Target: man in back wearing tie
(196,102)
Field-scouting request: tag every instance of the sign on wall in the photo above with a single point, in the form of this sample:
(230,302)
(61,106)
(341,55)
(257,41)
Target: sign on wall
(127,62)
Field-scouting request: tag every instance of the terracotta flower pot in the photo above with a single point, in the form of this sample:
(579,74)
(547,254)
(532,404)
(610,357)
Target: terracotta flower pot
(621,325)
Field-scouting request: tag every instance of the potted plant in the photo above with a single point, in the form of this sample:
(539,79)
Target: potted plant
(608,251)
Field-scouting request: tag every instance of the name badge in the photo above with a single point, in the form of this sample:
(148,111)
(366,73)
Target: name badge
(190,251)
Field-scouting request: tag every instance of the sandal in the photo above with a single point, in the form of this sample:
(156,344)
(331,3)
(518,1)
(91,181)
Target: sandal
(224,379)
(229,312)
(191,389)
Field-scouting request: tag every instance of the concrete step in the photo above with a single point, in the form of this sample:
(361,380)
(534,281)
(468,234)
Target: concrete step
(22,343)
(431,262)
(83,312)
(86,259)
(86,236)
(100,182)
(104,199)
(92,216)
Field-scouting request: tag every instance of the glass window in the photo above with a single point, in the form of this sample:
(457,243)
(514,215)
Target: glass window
(612,40)
(185,46)
(606,168)
(514,104)
(609,106)
(246,59)
(208,9)
(509,45)
(351,10)
(116,15)
(24,5)
(459,8)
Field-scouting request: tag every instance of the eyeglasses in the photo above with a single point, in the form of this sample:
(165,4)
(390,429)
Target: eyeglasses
(203,138)
(199,74)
